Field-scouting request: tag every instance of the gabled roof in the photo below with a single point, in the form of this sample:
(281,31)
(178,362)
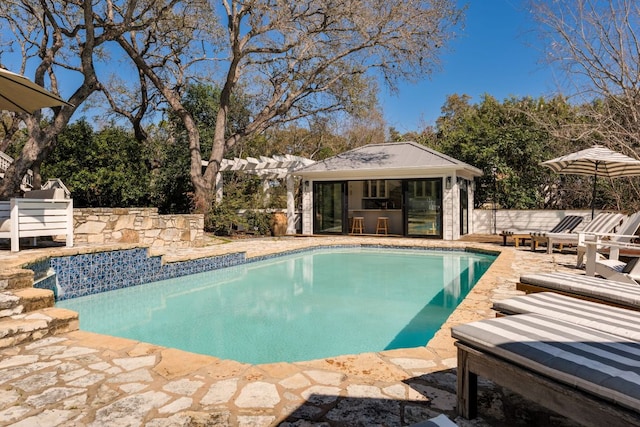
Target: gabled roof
(390,156)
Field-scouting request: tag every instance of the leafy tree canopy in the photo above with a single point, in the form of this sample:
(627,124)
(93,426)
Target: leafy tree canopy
(103,168)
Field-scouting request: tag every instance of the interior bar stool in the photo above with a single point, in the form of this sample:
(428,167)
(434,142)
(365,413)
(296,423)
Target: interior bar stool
(382,225)
(357,225)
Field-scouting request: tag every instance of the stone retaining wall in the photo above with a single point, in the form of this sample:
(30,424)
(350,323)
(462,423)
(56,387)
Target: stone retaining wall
(137,225)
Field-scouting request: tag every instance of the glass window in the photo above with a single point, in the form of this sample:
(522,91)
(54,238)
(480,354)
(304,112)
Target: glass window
(375,189)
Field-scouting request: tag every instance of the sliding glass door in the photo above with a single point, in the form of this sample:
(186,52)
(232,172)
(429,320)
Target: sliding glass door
(329,208)
(464,207)
(423,207)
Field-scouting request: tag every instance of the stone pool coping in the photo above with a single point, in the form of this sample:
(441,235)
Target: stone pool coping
(100,379)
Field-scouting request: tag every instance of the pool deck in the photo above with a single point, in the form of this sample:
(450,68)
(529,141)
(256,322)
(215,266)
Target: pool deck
(86,379)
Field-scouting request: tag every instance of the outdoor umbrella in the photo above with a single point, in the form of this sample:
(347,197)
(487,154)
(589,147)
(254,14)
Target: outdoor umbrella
(17,93)
(596,161)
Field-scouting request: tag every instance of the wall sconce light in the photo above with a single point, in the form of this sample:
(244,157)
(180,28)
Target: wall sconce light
(447,183)
(306,185)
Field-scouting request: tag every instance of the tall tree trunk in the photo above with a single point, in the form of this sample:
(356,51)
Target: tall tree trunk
(10,184)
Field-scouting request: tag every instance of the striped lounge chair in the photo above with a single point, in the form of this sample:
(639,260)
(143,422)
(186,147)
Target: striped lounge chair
(589,288)
(613,244)
(587,375)
(566,225)
(620,271)
(613,320)
(602,223)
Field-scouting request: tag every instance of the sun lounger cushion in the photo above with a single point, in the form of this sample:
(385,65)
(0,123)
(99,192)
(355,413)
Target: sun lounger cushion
(50,193)
(594,287)
(604,365)
(613,320)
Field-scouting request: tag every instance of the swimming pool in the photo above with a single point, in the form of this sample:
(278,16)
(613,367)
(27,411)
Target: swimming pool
(304,306)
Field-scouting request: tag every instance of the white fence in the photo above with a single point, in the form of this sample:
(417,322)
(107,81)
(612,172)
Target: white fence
(488,221)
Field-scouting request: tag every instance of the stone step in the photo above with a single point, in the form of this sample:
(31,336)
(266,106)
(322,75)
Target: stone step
(33,299)
(10,304)
(16,279)
(24,300)
(37,324)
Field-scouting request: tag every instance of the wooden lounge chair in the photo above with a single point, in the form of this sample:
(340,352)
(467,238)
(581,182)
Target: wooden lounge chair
(608,243)
(613,268)
(619,271)
(584,374)
(580,286)
(613,320)
(566,225)
(602,223)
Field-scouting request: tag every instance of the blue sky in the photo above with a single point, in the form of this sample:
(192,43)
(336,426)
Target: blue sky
(496,54)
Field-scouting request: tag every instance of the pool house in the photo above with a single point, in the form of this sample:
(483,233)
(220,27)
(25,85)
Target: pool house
(396,188)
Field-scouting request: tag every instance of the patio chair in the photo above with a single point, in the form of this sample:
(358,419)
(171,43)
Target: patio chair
(619,271)
(40,213)
(602,223)
(566,225)
(589,376)
(613,320)
(608,242)
(596,289)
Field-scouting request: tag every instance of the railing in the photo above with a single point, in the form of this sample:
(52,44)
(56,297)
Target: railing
(5,162)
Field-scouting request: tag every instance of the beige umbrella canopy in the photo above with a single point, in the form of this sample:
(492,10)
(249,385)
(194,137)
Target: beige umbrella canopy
(595,161)
(17,93)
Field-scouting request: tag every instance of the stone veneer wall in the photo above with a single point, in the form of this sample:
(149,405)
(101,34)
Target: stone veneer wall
(137,225)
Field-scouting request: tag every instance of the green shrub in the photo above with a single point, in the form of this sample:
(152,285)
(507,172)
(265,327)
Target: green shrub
(258,222)
(220,219)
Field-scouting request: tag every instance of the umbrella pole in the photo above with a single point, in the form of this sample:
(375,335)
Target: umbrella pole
(593,197)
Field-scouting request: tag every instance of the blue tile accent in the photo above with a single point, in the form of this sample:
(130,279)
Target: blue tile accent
(47,283)
(39,268)
(86,274)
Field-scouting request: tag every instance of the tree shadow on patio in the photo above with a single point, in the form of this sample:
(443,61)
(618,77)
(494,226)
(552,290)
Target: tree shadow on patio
(430,395)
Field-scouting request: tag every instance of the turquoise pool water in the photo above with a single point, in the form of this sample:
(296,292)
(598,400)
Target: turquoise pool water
(305,306)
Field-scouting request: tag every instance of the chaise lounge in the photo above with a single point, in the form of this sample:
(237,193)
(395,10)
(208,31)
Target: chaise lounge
(611,242)
(605,318)
(602,223)
(588,288)
(613,268)
(566,225)
(589,376)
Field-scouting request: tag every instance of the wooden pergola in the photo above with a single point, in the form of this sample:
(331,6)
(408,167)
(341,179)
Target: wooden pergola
(268,168)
